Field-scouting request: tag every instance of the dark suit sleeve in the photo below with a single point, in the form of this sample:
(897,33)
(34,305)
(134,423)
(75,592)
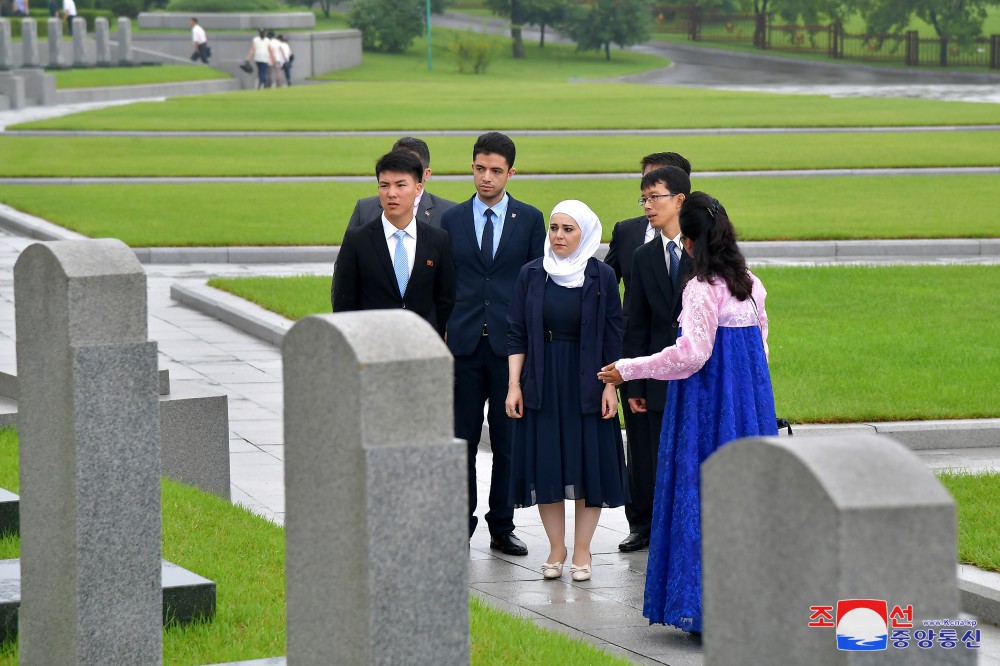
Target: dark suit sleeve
(517,330)
(444,284)
(636,340)
(355,220)
(612,320)
(537,237)
(346,281)
(611,258)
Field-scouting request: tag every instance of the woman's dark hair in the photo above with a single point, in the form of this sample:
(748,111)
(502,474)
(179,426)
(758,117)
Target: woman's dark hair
(714,251)
(261,33)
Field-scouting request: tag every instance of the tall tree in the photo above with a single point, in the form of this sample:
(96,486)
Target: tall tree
(597,24)
(545,13)
(512,9)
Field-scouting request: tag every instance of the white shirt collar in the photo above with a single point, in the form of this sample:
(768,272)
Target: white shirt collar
(389,229)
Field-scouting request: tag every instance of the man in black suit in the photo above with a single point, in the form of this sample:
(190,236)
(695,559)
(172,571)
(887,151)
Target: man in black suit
(395,260)
(653,295)
(429,208)
(493,235)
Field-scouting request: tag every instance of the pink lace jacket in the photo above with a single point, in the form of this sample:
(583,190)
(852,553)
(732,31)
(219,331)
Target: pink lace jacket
(705,307)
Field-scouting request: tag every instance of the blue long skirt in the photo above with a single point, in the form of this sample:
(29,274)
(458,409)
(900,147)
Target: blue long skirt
(729,398)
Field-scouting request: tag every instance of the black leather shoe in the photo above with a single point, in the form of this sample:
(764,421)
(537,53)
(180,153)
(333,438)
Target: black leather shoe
(633,542)
(508,544)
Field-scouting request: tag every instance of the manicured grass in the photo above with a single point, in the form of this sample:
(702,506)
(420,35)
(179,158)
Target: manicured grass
(978,500)
(245,555)
(847,343)
(317,213)
(471,104)
(308,156)
(131,76)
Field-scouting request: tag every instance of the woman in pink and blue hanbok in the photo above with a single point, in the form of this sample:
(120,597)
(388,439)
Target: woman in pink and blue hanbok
(720,391)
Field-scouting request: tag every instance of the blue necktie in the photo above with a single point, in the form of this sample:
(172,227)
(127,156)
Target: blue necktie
(675,263)
(401,263)
(487,247)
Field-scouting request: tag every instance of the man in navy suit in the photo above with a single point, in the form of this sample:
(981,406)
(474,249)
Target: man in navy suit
(492,236)
(429,208)
(395,260)
(658,271)
(641,426)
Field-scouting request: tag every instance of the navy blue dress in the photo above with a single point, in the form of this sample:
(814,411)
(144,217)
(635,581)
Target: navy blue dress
(558,451)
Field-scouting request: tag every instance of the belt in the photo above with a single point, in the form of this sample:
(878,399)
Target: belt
(553,335)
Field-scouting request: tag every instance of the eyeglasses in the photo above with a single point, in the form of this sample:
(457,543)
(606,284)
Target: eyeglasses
(655,197)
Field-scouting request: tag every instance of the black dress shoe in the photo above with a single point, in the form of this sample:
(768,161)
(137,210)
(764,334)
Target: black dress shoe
(508,544)
(633,542)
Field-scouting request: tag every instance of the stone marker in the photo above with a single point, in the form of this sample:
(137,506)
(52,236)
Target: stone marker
(102,39)
(789,525)
(6,45)
(55,43)
(80,58)
(376,518)
(29,43)
(89,457)
(124,40)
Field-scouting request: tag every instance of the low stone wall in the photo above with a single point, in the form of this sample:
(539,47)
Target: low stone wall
(315,52)
(270,21)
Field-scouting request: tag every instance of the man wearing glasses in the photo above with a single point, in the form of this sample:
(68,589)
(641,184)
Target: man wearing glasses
(653,300)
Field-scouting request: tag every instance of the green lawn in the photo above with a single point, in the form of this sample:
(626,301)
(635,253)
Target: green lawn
(309,156)
(471,104)
(847,343)
(978,500)
(245,556)
(131,76)
(763,208)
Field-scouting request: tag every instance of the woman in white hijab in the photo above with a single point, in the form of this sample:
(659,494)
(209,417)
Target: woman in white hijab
(565,323)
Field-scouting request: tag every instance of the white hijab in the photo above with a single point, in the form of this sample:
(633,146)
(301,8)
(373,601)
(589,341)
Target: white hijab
(568,272)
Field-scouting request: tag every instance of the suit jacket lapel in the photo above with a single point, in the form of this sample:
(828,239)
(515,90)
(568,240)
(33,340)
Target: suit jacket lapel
(382,252)
(683,269)
(660,270)
(509,222)
(424,209)
(421,254)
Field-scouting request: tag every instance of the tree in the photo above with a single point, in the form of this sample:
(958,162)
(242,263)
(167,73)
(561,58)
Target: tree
(546,12)
(953,20)
(386,25)
(512,9)
(597,24)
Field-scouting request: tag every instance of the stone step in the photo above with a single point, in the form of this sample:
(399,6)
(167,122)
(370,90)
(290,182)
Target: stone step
(186,596)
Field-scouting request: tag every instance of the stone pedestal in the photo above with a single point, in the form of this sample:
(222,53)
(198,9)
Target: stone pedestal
(6,45)
(29,43)
(375,488)
(795,532)
(80,58)
(55,32)
(89,457)
(124,41)
(102,40)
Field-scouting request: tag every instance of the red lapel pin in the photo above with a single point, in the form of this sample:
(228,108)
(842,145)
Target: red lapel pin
(430,262)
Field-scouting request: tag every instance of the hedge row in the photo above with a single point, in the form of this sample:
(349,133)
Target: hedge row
(89,15)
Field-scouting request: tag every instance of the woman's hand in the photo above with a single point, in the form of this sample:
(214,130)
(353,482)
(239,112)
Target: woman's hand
(609,402)
(610,375)
(515,402)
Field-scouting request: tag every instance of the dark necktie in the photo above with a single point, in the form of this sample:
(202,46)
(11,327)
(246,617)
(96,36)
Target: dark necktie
(487,246)
(675,263)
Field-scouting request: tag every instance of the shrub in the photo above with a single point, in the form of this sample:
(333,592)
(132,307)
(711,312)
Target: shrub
(229,6)
(387,25)
(476,50)
(89,15)
(129,8)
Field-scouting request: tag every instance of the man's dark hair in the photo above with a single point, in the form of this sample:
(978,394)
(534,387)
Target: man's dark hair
(495,142)
(673,177)
(270,34)
(402,161)
(194,20)
(658,160)
(416,146)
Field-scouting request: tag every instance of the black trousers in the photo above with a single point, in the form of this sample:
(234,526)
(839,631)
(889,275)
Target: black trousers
(479,377)
(643,432)
(202,53)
